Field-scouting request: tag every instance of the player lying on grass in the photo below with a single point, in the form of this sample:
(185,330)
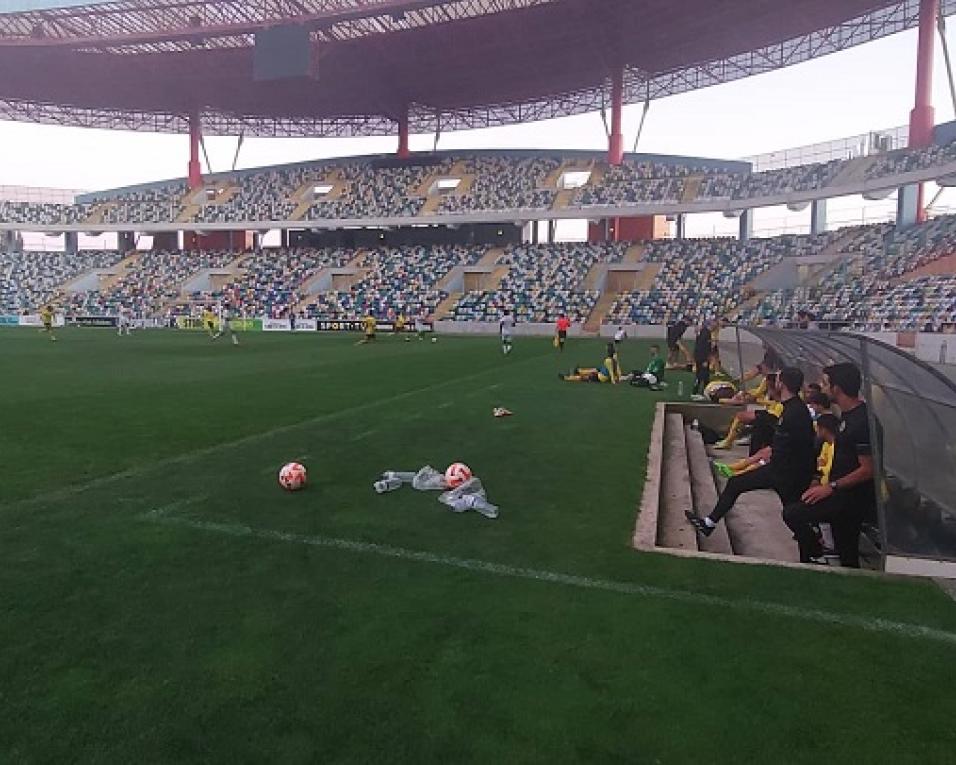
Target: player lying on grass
(606,373)
(653,374)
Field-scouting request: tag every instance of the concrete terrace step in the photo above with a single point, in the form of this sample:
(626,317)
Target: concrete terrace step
(491,257)
(673,529)
(704,492)
(446,306)
(634,253)
(601,308)
(647,276)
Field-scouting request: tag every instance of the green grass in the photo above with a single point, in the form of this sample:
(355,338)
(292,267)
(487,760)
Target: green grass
(195,637)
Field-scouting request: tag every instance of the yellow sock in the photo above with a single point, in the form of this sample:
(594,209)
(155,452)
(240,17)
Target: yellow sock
(731,434)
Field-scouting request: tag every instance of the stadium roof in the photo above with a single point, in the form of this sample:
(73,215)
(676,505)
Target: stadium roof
(456,64)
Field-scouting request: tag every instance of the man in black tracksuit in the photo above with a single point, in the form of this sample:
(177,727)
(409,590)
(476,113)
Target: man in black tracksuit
(850,496)
(703,345)
(792,462)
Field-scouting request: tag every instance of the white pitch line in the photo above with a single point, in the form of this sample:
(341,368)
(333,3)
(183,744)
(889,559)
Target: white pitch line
(868,624)
(135,472)
(364,434)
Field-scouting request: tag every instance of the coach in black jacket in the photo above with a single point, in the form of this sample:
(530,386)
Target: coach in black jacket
(792,462)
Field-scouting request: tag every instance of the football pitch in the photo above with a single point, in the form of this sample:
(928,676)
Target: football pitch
(162,600)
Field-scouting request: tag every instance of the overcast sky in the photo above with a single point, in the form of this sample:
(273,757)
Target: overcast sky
(867,88)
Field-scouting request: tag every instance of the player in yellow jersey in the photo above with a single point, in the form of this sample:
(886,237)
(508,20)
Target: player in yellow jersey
(46,316)
(209,322)
(368,326)
(606,373)
(399,326)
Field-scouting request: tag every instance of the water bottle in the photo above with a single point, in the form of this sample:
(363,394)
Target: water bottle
(404,477)
(680,389)
(387,484)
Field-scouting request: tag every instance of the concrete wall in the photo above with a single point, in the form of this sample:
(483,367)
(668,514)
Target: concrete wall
(202,282)
(782,276)
(527,329)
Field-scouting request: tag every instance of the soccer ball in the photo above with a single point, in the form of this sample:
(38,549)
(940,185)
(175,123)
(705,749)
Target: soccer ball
(456,474)
(292,476)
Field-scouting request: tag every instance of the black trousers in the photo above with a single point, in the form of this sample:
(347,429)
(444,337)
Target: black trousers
(703,376)
(843,511)
(761,432)
(764,477)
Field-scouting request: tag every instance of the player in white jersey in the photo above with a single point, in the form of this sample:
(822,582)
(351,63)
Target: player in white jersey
(124,322)
(225,325)
(506,326)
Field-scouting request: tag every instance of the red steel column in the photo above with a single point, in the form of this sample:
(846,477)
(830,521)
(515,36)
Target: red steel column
(403,151)
(922,118)
(615,149)
(194,174)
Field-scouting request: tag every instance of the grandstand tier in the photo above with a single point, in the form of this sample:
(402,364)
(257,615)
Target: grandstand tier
(866,277)
(454,187)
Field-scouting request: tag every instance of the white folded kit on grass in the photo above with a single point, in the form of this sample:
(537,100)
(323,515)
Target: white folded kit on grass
(469,496)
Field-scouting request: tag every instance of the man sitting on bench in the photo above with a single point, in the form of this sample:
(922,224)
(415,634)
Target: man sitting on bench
(792,461)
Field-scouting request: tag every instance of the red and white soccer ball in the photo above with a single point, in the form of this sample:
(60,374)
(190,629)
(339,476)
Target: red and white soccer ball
(293,476)
(456,474)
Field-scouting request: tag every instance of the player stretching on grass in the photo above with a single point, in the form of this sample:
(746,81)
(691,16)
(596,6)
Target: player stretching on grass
(46,316)
(606,373)
(505,327)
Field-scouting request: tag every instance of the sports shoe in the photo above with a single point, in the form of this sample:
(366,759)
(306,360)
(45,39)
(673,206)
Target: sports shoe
(698,523)
(724,469)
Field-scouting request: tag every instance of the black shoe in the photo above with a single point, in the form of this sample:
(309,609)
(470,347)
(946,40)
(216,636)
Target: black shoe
(698,523)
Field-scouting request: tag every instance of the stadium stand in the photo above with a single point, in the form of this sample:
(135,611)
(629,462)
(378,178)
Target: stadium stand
(150,284)
(504,183)
(31,279)
(373,188)
(401,279)
(861,291)
(705,278)
(270,282)
(543,281)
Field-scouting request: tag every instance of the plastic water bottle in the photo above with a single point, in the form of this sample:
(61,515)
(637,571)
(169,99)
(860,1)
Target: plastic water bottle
(680,389)
(387,484)
(404,477)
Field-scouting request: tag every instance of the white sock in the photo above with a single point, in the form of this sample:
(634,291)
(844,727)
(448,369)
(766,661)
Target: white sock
(709,523)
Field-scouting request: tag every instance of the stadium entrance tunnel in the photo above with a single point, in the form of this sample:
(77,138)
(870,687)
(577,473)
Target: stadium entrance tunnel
(681,478)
